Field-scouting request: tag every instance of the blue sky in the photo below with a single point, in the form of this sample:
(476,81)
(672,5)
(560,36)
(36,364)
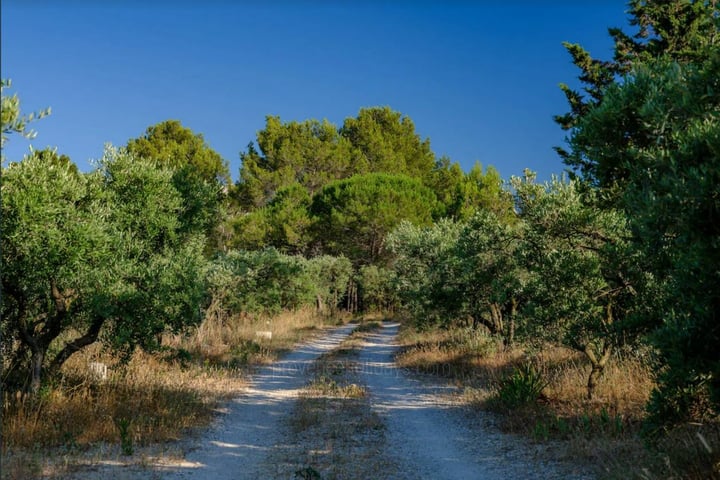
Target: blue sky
(479,78)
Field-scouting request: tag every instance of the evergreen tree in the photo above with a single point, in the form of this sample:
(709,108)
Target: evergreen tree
(682,30)
(310,153)
(352,217)
(199,173)
(387,142)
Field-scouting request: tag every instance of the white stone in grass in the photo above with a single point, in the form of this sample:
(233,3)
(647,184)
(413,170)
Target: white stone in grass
(98,370)
(264,335)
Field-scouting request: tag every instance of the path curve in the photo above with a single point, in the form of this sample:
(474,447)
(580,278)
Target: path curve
(427,434)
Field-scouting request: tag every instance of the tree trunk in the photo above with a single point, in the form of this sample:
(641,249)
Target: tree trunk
(352,297)
(496,316)
(37,355)
(36,363)
(78,344)
(38,340)
(513,312)
(478,320)
(598,367)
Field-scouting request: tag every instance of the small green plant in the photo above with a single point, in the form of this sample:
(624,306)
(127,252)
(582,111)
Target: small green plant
(604,418)
(618,425)
(126,443)
(180,355)
(562,426)
(522,387)
(612,425)
(308,473)
(243,352)
(585,423)
(325,385)
(541,431)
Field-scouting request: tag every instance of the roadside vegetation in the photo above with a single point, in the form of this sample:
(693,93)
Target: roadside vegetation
(582,309)
(145,401)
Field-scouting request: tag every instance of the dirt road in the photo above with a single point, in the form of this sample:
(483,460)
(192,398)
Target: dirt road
(236,446)
(428,436)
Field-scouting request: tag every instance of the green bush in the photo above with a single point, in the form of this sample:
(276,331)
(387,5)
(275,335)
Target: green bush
(522,387)
(377,288)
(330,276)
(262,281)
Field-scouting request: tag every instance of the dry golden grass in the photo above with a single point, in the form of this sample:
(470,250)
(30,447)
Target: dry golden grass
(335,432)
(471,358)
(157,397)
(603,431)
(234,340)
(157,401)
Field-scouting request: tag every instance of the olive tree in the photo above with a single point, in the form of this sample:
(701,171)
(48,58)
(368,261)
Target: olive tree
(666,114)
(579,290)
(492,277)
(426,269)
(93,256)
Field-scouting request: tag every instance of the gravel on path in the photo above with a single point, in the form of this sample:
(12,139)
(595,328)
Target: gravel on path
(238,442)
(426,435)
(237,445)
(431,437)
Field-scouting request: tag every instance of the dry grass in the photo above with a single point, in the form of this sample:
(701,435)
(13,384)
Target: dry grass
(155,398)
(603,431)
(471,358)
(333,430)
(235,341)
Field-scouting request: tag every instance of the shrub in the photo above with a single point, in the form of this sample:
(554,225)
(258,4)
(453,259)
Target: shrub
(524,386)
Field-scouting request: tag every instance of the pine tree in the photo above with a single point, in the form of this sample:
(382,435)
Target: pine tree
(685,31)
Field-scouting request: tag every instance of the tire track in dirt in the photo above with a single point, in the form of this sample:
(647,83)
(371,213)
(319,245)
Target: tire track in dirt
(247,430)
(236,446)
(428,435)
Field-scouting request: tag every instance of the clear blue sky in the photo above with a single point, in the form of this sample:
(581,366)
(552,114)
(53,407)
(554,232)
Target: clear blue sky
(480,79)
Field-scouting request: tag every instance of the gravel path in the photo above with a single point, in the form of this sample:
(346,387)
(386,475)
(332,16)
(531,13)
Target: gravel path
(236,446)
(426,435)
(429,437)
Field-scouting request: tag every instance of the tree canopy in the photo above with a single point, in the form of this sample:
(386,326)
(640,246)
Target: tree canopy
(313,153)
(386,142)
(102,254)
(310,153)
(170,144)
(199,173)
(680,30)
(353,216)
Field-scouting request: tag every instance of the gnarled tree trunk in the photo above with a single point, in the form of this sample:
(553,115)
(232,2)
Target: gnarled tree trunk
(37,335)
(598,367)
(599,359)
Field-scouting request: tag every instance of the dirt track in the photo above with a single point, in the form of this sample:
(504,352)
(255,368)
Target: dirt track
(426,434)
(430,436)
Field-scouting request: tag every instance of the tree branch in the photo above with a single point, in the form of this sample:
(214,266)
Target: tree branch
(79,343)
